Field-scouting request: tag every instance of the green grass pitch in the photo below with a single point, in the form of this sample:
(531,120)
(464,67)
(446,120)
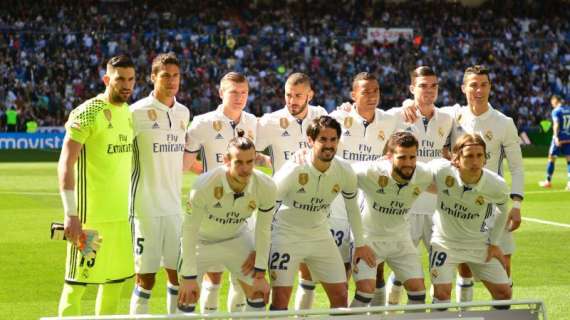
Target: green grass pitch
(32,266)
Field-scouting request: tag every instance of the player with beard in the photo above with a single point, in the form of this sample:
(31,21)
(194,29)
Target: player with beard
(390,187)
(98,142)
(300,229)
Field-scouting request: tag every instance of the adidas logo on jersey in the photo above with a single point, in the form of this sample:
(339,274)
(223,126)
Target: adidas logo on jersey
(219,137)
(155,126)
(302,190)
(218,205)
(285,134)
(346,133)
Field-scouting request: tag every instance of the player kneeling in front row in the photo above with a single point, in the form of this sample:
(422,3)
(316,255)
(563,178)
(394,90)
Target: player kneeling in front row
(215,231)
(390,187)
(300,230)
(465,190)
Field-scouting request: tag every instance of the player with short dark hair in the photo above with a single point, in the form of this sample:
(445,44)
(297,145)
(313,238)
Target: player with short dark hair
(390,187)
(300,229)
(94,173)
(160,124)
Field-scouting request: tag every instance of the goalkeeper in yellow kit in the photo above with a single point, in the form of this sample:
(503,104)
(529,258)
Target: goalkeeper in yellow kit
(94,176)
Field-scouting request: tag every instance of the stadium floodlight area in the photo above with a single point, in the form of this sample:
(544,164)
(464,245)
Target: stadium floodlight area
(483,310)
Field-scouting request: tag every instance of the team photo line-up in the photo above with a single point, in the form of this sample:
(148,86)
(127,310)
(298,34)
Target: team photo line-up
(350,192)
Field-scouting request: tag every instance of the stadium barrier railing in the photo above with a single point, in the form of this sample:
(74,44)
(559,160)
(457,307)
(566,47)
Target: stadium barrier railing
(480,310)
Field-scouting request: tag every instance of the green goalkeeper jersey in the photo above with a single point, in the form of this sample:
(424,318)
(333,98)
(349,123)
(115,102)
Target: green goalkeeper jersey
(104,165)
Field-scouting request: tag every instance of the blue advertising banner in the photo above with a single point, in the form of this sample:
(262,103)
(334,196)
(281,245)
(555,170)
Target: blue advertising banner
(31,140)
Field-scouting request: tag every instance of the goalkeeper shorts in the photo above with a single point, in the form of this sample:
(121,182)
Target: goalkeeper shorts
(113,260)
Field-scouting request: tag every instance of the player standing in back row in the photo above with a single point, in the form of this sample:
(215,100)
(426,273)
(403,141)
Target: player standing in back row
(93,171)
(160,124)
(209,135)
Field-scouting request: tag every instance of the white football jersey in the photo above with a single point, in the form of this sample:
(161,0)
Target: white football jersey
(219,214)
(361,141)
(211,132)
(432,138)
(284,134)
(500,135)
(462,209)
(386,201)
(158,149)
(306,194)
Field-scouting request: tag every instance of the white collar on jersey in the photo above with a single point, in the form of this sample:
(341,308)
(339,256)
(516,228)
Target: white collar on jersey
(378,113)
(228,188)
(476,187)
(220,112)
(482,116)
(160,104)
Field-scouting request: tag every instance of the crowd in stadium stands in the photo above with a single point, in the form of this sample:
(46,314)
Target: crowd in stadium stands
(52,52)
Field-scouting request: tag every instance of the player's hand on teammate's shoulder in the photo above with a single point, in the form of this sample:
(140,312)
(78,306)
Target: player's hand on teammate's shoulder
(365,253)
(72,228)
(409,111)
(249,264)
(345,106)
(299,156)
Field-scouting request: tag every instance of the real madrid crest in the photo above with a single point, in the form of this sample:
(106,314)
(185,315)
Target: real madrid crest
(449,181)
(252,205)
(440,131)
(480,200)
(182,125)
(303,178)
(283,123)
(381,135)
(108,116)
(348,122)
(336,188)
(151,115)
(489,135)
(218,192)
(217,125)
(382,181)
(273,275)
(250,134)
(416,191)
(459,118)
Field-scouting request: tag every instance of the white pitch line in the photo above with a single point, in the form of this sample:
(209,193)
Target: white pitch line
(546,191)
(30,193)
(564,225)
